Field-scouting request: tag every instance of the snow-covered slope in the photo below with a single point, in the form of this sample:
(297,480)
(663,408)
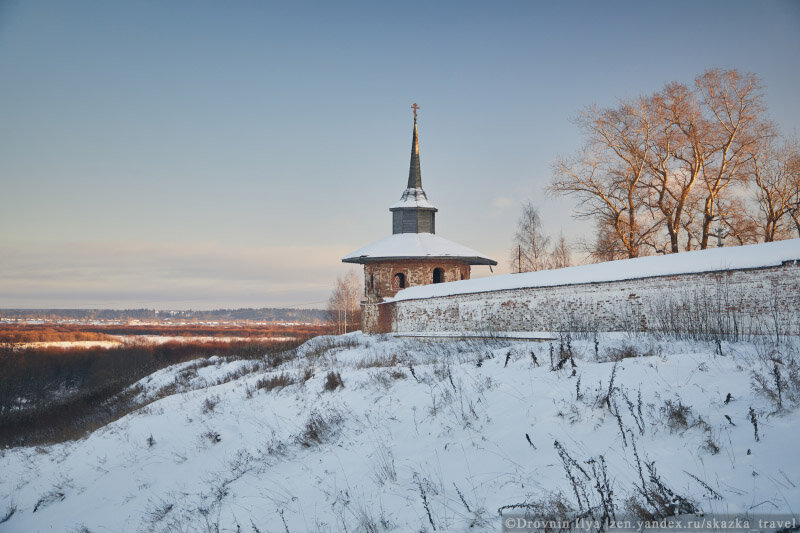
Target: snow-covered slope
(713,259)
(470,430)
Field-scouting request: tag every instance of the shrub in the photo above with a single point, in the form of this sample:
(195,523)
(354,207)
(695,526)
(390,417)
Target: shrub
(333,381)
(157,511)
(554,508)
(53,496)
(318,428)
(274,382)
(710,446)
(212,436)
(10,510)
(397,374)
(627,351)
(384,468)
(655,499)
(209,404)
(376,361)
(677,415)
(777,377)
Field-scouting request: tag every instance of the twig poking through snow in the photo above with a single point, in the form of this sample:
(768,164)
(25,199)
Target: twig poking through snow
(461,496)
(714,494)
(411,369)
(285,526)
(754,421)
(425,503)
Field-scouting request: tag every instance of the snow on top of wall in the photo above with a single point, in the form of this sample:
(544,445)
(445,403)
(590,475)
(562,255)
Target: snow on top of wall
(416,245)
(732,258)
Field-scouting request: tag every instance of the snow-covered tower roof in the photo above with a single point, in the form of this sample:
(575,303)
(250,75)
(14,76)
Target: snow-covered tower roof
(400,246)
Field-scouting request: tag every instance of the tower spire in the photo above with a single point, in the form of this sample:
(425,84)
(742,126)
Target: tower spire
(414,174)
(414,213)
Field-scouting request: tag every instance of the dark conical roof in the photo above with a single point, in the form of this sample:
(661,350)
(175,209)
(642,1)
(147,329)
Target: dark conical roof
(414,174)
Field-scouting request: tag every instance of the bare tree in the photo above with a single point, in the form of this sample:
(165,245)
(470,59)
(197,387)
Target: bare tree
(675,159)
(606,245)
(344,306)
(530,242)
(735,219)
(657,172)
(774,170)
(608,174)
(793,176)
(560,256)
(795,202)
(734,103)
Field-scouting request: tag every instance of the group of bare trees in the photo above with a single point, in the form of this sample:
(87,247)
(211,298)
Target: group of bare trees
(666,172)
(344,303)
(532,250)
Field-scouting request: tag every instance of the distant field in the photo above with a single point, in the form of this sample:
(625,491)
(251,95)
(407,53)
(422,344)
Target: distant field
(93,335)
(59,381)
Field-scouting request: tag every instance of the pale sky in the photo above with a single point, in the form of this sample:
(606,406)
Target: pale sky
(198,154)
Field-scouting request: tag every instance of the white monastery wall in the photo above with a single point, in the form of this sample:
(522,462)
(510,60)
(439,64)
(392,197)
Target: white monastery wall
(763,300)
(751,289)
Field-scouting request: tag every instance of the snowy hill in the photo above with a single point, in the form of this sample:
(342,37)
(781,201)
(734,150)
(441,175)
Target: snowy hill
(424,436)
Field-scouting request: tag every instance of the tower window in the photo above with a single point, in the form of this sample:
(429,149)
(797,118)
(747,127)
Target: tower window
(399,281)
(369,286)
(438,275)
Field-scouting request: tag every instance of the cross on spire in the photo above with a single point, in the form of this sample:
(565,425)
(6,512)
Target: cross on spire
(415,107)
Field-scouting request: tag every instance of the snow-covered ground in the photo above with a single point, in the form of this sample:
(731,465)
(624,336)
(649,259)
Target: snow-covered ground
(70,344)
(147,339)
(161,339)
(471,429)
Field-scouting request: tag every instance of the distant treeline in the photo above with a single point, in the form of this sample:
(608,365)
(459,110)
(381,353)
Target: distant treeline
(25,333)
(265,314)
(19,334)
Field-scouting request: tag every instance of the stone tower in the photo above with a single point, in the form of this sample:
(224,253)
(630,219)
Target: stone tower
(413,254)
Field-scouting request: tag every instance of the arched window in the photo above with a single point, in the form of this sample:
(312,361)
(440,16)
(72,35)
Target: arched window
(399,281)
(438,275)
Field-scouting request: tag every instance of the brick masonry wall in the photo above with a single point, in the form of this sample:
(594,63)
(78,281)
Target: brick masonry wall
(762,300)
(416,272)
